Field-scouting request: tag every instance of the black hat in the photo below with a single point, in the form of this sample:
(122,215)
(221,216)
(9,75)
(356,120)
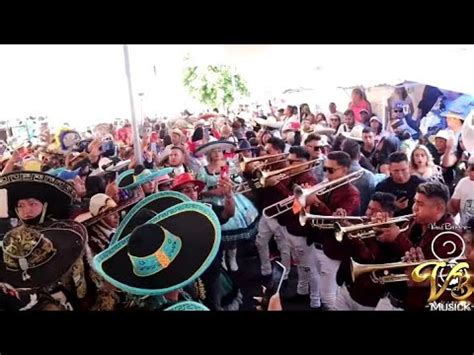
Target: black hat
(44,187)
(172,250)
(35,258)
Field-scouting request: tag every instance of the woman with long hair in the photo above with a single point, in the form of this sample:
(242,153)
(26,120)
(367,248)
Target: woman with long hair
(243,224)
(305,113)
(358,103)
(321,119)
(422,165)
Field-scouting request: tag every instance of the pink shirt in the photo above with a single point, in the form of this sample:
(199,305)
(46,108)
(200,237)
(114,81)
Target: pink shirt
(359,107)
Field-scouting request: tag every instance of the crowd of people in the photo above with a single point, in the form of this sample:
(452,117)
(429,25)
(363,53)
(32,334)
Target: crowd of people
(87,225)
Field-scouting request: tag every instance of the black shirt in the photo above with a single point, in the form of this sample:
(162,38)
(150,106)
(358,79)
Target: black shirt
(408,189)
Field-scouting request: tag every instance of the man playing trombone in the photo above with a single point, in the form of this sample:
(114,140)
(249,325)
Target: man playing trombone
(293,231)
(268,227)
(329,252)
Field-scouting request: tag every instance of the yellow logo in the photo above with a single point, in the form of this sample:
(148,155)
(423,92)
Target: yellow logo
(443,276)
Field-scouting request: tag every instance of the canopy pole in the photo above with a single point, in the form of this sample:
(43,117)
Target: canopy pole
(136,138)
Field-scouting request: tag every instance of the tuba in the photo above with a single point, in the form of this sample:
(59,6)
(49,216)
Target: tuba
(366,230)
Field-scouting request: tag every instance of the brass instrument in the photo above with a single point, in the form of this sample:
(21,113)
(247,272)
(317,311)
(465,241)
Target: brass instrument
(318,221)
(325,187)
(260,181)
(286,172)
(366,230)
(245,162)
(320,189)
(387,275)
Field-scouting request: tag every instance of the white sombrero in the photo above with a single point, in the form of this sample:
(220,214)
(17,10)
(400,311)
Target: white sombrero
(355,133)
(269,122)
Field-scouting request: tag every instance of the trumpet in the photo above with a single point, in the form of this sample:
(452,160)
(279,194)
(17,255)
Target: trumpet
(324,187)
(325,222)
(365,230)
(386,269)
(245,162)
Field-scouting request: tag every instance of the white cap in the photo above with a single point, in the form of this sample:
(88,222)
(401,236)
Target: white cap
(98,202)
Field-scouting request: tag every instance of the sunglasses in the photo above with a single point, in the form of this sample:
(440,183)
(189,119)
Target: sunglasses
(330,170)
(470,167)
(397,111)
(314,148)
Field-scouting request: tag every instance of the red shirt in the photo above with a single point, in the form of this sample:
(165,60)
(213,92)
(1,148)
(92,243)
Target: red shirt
(359,107)
(347,197)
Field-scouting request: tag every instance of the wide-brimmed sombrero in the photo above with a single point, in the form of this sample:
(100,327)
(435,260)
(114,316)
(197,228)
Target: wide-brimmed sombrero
(220,145)
(319,129)
(44,187)
(108,165)
(271,123)
(102,206)
(128,179)
(186,178)
(170,251)
(35,258)
(355,133)
(187,306)
(156,203)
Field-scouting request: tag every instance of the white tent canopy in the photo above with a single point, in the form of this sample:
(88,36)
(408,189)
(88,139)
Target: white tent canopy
(86,84)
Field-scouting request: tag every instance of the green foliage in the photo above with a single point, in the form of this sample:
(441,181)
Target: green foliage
(214,85)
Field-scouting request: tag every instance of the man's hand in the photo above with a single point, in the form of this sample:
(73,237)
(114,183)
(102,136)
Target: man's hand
(401,203)
(226,186)
(274,304)
(414,256)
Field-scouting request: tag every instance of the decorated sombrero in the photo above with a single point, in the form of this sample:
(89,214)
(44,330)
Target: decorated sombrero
(221,145)
(34,258)
(156,203)
(44,187)
(170,251)
(187,306)
(128,179)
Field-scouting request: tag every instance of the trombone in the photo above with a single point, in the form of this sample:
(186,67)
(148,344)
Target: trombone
(246,164)
(300,194)
(366,230)
(325,222)
(386,269)
(325,187)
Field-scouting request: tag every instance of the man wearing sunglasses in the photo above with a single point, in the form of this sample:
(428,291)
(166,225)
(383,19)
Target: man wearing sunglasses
(317,147)
(330,252)
(399,124)
(463,197)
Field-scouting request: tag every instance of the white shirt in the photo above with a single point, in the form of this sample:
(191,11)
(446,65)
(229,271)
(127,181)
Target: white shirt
(464,191)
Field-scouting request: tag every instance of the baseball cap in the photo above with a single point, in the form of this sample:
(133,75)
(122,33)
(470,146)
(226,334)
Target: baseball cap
(69,174)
